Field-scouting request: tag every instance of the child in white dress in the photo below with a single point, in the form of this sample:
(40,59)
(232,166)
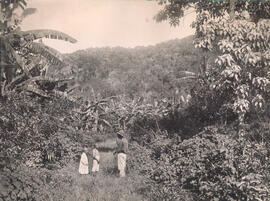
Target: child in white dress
(83,167)
(96,158)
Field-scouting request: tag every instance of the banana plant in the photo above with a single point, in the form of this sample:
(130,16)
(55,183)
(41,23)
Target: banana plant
(96,113)
(21,56)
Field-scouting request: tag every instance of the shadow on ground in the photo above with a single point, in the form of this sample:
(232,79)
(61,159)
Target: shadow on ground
(106,149)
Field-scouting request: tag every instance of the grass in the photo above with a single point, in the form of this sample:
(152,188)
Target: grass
(68,185)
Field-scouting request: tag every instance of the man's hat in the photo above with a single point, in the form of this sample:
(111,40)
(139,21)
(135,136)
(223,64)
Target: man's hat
(121,133)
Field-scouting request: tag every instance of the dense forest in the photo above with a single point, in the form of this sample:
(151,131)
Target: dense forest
(149,72)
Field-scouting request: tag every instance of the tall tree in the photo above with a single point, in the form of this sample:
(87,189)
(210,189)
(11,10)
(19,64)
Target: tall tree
(241,44)
(173,10)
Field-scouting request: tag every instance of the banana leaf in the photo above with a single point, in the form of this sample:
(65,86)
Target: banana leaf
(48,33)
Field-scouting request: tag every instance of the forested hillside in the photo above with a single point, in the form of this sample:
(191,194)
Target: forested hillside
(148,72)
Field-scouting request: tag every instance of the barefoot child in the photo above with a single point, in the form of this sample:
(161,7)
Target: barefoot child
(83,167)
(96,158)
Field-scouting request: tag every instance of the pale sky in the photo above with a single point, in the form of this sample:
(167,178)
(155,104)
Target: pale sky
(103,23)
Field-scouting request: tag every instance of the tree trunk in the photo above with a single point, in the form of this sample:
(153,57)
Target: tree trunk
(232,9)
(1,63)
(95,128)
(203,65)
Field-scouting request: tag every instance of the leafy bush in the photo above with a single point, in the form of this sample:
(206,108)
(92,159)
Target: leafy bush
(183,120)
(31,127)
(208,166)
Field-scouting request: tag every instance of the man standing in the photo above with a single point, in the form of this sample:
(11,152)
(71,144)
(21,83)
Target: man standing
(121,150)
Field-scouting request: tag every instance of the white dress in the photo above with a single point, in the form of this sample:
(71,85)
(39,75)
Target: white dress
(121,160)
(96,159)
(83,168)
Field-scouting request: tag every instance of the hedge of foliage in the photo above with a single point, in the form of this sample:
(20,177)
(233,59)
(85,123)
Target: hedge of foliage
(31,129)
(213,165)
(32,126)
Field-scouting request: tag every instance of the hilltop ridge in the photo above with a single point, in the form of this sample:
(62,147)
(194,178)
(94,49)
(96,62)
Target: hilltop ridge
(141,71)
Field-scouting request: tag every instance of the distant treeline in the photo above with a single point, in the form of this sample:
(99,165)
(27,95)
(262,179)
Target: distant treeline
(149,72)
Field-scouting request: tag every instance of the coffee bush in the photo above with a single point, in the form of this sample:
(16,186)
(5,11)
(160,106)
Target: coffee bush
(209,166)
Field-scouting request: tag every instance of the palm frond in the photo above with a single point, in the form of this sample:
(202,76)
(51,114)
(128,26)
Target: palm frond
(21,81)
(66,70)
(12,55)
(33,87)
(33,63)
(28,11)
(48,33)
(17,80)
(49,53)
(16,3)
(48,79)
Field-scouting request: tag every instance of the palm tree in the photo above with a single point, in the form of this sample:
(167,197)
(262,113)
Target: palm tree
(24,62)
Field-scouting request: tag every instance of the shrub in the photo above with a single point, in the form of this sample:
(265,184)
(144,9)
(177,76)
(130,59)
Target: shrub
(205,108)
(31,127)
(209,166)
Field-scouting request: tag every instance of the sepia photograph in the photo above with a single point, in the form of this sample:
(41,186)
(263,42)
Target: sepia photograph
(134,100)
